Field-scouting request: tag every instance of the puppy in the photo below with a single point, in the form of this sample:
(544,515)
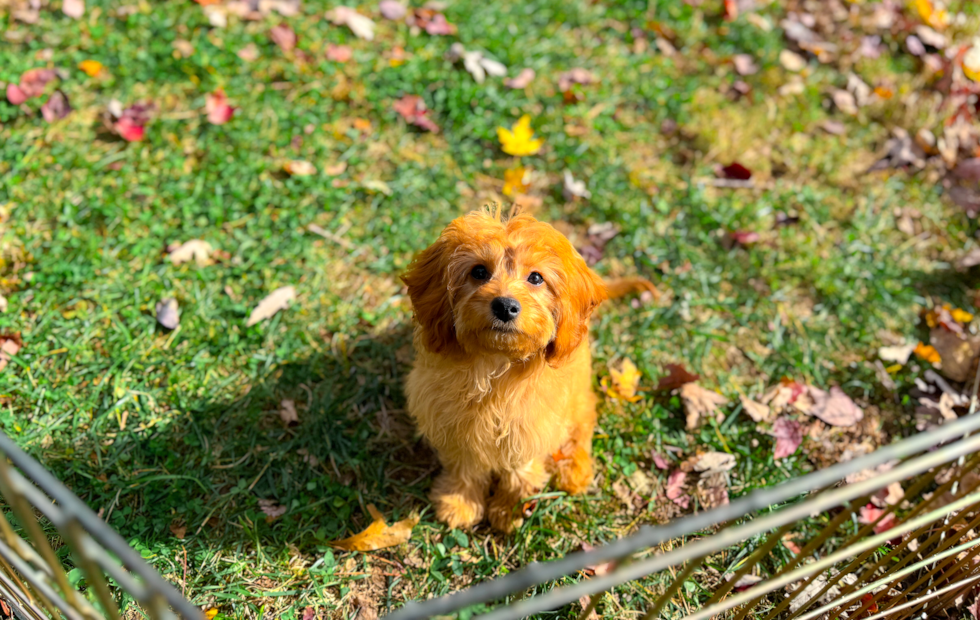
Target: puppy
(502,381)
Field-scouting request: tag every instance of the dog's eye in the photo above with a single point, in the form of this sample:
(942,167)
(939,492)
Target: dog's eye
(535,278)
(480,273)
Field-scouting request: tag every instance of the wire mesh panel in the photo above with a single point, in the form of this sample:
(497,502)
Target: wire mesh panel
(59,560)
(894,534)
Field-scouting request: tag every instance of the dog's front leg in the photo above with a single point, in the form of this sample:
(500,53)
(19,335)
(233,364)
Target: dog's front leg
(459,495)
(504,510)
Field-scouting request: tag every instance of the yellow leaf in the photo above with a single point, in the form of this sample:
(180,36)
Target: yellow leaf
(519,140)
(971,62)
(961,316)
(516,180)
(930,14)
(928,353)
(378,535)
(625,381)
(91,67)
(211,613)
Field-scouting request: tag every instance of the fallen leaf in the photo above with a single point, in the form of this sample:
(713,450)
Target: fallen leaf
(168,313)
(791,61)
(392,9)
(56,107)
(378,535)
(516,180)
(974,608)
(835,128)
(521,80)
(597,236)
(736,171)
(249,53)
(73,8)
(10,344)
(603,568)
(660,461)
(714,461)
(196,249)
(183,48)
(129,123)
(713,489)
(745,64)
(217,108)
(3,303)
(211,613)
(625,381)
(744,582)
(675,489)
(677,376)
(578,75)
(287,412)
(309,614)
(178,529)
(971,63)
(519,140)
(585,600)
(361,26)
(927,352)
(757,411)
(870,46)
(274,302)
(845,102)
(283,36)
(333,170)
(789,436)
(743,238)
(432,21)
(699,402)
(412,108)
(835,408)
(339,53)
(788,542)
(898,354)
(91,68)
(956,352)
(16,95)
(271,508)
(299,168)
(573,189)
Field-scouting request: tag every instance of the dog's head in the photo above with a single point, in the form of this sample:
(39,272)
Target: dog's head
(516,287)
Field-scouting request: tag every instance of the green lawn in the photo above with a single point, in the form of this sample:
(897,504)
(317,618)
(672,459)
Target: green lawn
(179,432)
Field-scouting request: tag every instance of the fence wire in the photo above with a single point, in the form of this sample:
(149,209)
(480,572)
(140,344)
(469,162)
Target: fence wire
(865,550)
(52,527)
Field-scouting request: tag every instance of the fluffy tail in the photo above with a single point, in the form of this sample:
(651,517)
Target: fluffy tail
(624,286)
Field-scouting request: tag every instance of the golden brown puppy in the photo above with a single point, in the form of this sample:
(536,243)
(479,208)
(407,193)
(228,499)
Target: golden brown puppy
(502,382)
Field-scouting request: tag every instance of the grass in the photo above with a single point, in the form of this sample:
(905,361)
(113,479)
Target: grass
(168,430)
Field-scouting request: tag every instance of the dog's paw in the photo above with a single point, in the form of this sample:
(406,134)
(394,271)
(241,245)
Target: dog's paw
(574,473)
(458,511)
(504,517)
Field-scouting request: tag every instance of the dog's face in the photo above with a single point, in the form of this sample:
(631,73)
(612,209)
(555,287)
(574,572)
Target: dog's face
(516,287)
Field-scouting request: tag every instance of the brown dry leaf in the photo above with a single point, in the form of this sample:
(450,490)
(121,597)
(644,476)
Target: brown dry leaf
(287,411)
(73,8)
(757,411)
(791,61)
(699,402)
(195,249)
(10,344)
(274,302)
(957,353)
(299,168)
(677,376)
(272,509)
(714,461)
(584,601)
(625,381)
(178,529)
(713,489)
(835,408)
(378,535)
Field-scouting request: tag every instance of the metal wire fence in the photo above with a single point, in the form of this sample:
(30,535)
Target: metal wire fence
(865,547)
(59,560)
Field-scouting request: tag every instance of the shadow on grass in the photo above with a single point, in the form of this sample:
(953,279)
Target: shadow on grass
(196,481)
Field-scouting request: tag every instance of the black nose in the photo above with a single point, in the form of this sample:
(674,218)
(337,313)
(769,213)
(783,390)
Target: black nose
(505,308)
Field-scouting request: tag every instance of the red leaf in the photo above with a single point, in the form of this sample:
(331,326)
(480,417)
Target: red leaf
(660,461)
(677,376)
(731,10)
(675,489)
(789,435)
(33,81)
(412,109)
(744,238)
(129,130)
(216,105)
(16,95)
(339,53)
(433,22)
(736,171)
(56,107)
(283,36)
(309,614)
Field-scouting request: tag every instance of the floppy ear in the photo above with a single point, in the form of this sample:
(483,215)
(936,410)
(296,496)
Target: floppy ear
(428,288)
(582,291)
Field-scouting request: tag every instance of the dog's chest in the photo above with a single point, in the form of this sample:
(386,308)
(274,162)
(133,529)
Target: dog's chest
(495,413)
